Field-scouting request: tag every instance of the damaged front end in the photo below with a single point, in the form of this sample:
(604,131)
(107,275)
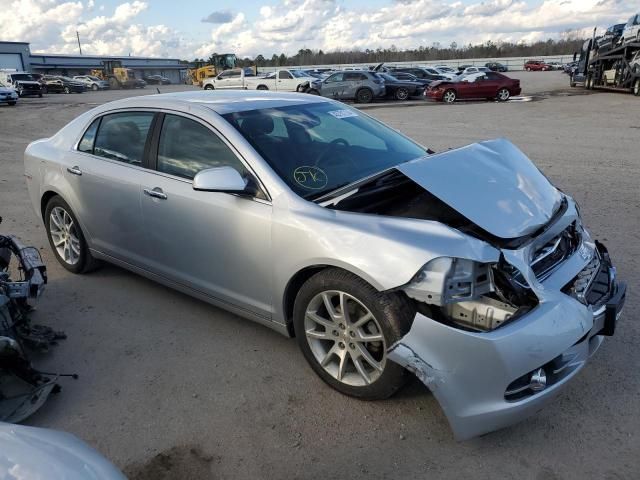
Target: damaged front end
(495,337)
(23,389)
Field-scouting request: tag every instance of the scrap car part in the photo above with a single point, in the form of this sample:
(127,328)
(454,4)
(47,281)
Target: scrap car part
(23,389)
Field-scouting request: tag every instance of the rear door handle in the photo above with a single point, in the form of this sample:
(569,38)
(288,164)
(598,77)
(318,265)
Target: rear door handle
(75,170)
(155,193)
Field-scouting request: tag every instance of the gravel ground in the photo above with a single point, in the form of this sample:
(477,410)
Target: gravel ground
(172,388)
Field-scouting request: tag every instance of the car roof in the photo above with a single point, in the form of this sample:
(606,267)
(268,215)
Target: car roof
(221,102)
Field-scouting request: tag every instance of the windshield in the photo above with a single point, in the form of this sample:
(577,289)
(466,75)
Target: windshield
(21,76)
(95,79)
(299,73)
(318,147)
(386,76)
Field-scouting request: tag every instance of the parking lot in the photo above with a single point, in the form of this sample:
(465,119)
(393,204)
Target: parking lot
(171,384)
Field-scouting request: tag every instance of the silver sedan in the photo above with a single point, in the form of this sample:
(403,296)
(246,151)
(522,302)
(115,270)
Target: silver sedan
(466,268)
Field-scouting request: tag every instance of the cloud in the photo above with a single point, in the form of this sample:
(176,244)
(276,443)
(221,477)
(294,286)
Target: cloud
(289,25)
(219,16)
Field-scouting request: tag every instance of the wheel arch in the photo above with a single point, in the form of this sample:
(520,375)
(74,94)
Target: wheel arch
(300,277)
(45,199)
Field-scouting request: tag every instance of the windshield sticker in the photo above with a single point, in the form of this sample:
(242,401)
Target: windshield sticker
(343,113)
(310,177)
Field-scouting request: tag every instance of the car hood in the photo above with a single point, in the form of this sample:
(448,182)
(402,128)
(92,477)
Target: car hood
(27,82)
(34,453)
(491,183)
(6,90)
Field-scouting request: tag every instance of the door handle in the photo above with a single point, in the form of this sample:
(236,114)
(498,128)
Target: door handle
(155,193)
(75,170)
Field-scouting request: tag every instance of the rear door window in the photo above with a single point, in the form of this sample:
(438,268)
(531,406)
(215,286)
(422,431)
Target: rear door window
(86,144)
(122,136)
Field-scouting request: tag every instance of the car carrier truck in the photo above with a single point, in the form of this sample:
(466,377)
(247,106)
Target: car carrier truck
(615,67)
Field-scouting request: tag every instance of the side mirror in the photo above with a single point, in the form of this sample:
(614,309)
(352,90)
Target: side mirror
(221,179)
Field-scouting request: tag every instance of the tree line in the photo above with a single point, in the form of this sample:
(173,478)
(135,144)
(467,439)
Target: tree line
(569,43)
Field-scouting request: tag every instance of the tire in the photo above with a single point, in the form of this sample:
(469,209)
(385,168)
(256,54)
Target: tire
(503,95)
(364,95)
(40,95)
(208,86)
(572,82)
(589,83)
(392,315)
(313,92)
(12,103)
(449,96)
(401,94)
(262,87)
(636,87)
(94,87)
(19,90)
(81,262)
(528,69)
(67,90)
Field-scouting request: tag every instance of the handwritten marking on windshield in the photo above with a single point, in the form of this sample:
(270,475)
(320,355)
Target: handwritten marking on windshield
(312,178)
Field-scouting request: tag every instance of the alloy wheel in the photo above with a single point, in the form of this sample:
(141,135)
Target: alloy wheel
(402,94)
(503,95)
(449,96)
(345,338)
(64,235)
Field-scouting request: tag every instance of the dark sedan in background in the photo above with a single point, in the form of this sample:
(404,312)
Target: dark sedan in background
(157,80)
(496,67)
(61,84)
(489,85)
(401,89)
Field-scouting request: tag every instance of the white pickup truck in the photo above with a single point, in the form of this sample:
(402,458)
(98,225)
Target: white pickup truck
(280,80)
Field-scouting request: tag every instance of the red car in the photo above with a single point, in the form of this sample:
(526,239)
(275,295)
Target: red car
(487,85)
(536,65)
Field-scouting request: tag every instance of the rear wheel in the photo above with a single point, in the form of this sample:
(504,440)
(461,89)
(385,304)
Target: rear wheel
(449,96)
(262,87)
(528,69)
(401,93)
(589,83)
(94,87)
(503,94)
(208,86)
(344,328)
(572,82)
(66,238)
(364,95)
(67,90)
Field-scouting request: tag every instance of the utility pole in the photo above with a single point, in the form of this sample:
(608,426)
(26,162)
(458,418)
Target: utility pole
(79,46)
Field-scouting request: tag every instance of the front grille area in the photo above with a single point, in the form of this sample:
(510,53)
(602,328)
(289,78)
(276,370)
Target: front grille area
(547,258)
(550,256)
(592,286)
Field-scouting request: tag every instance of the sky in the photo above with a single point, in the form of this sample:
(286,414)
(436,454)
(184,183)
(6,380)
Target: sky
(190,29)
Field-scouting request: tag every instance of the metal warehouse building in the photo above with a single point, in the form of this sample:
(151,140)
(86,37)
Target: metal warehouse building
(17,55)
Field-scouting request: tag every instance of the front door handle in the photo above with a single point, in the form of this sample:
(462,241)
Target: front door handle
(155,193)
(75,170)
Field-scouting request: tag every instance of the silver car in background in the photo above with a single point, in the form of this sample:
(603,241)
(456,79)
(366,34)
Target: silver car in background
(466,268)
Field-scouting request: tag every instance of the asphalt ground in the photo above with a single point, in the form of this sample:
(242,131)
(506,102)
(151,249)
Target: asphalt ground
(173,388)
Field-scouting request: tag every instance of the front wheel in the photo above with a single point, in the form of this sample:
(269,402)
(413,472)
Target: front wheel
(572,82)
(12,103)
(449,96)
(67,90)
(66,238)
(503,94)
(636,87)
(208,87)
(528,69)
(364,95)
(344,328)
(94,87)
(262,87)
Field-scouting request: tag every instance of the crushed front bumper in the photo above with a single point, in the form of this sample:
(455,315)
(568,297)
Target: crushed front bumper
(474,375)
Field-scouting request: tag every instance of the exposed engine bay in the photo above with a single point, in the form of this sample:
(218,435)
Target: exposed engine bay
(23,389)
(460,292)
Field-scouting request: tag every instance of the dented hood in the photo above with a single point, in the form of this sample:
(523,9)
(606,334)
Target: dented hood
(491,183)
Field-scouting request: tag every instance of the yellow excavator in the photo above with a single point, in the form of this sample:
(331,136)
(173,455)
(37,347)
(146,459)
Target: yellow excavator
(117,75)
(220,62)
